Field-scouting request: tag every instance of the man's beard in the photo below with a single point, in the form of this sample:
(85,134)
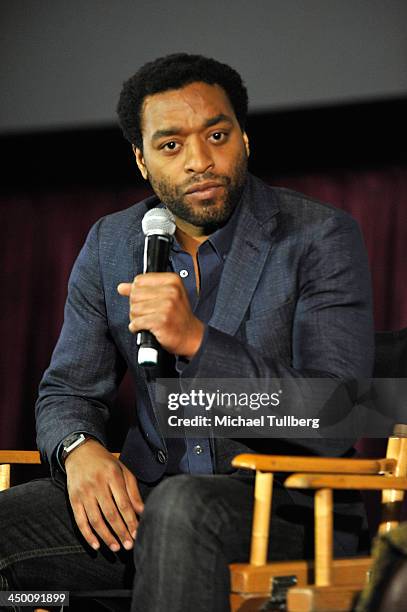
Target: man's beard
(209,214)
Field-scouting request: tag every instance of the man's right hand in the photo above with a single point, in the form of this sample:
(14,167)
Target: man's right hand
(103,493)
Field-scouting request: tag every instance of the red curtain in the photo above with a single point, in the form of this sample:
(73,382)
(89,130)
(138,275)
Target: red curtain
(43,232)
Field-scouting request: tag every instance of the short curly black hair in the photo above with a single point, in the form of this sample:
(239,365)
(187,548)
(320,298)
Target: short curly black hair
(173,72)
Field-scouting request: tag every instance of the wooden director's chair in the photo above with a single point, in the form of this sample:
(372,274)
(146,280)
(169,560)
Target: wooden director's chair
(325,584)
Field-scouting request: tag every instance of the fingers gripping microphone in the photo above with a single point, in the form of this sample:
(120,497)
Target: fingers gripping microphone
(158,226)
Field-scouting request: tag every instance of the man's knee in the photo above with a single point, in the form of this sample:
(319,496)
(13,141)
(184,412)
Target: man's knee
(178,502)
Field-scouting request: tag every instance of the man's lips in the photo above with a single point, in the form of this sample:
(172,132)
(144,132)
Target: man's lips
(204,190)
(203,187)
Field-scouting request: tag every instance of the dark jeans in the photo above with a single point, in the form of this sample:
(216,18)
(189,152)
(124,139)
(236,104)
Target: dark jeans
(191,529)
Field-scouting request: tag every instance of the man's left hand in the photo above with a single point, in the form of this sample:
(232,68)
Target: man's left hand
(159,303)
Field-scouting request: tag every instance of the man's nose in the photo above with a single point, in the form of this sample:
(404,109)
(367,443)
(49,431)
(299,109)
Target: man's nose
(198,158)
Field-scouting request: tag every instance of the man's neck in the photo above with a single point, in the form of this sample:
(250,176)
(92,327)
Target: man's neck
(189,241)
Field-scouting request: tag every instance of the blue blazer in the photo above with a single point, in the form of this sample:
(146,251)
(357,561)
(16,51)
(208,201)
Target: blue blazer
(294,300)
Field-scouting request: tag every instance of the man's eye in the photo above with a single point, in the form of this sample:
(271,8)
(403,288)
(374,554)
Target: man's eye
(170,146)
(218,136)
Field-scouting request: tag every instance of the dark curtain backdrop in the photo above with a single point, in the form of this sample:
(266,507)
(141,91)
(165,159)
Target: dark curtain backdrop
(43,232)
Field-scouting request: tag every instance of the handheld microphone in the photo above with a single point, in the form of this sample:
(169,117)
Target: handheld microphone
(158,226)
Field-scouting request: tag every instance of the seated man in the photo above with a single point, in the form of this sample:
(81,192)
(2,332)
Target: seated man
(261,282)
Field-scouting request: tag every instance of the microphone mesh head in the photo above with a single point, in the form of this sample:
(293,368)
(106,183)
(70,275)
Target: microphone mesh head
(158,221)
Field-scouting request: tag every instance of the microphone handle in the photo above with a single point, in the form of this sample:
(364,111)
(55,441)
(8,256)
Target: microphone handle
(148,349)
(156,255)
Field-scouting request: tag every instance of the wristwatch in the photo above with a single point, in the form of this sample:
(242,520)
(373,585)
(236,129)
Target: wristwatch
(71,442)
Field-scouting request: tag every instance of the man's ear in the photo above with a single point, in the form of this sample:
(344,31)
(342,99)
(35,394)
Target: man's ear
(246,143)
(140,161)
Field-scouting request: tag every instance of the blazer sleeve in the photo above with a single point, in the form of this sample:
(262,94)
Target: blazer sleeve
(79,387)
(332,327)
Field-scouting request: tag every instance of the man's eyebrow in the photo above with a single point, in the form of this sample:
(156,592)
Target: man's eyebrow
(172,131)
(218,119)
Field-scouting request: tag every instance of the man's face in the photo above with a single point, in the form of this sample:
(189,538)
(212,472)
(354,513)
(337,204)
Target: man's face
(194,154)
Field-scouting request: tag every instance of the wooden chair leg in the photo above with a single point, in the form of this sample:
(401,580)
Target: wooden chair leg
(323,537)
(261,518)
(4,476)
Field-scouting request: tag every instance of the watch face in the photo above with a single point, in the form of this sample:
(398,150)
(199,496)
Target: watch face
(71,439)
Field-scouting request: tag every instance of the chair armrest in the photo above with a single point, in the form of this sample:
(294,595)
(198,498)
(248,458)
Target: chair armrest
(282,463)
(17,456)
(345,481)
(27,457)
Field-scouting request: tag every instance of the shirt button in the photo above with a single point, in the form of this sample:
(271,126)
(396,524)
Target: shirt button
(183,273)
(198,450)
(161,456)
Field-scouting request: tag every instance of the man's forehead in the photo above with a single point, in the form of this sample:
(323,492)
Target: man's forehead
(196,101)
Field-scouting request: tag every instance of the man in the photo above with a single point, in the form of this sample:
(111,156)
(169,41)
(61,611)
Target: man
(262,282)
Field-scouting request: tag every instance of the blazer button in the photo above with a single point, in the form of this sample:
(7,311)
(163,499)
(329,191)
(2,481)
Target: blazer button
(161,456)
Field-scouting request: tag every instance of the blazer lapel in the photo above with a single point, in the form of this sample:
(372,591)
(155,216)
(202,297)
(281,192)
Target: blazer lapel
(250,248)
